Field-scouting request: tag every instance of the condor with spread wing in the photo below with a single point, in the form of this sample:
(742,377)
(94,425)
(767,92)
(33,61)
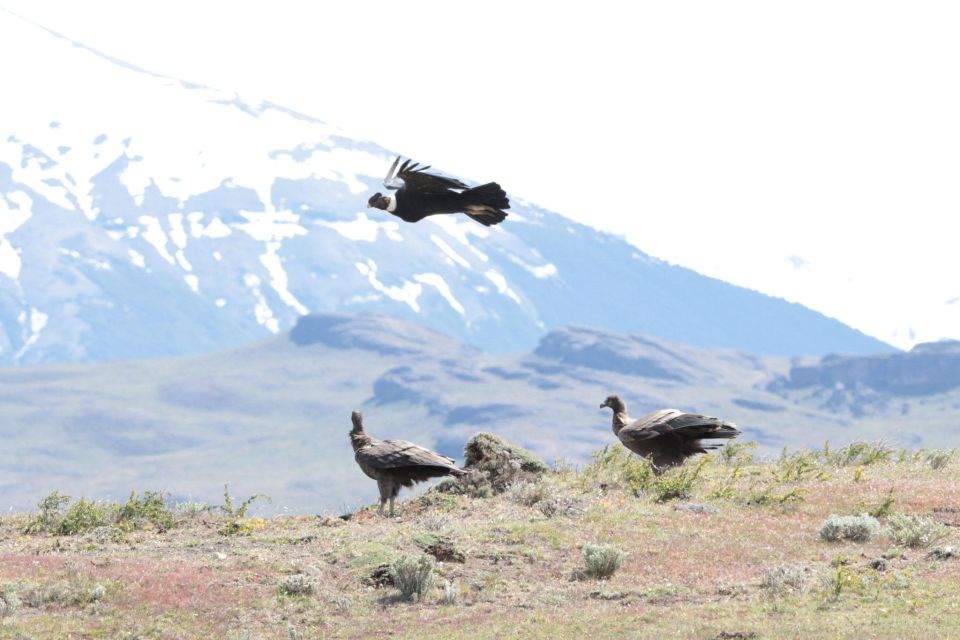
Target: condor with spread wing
(419,194)
(396,463)
(667,436)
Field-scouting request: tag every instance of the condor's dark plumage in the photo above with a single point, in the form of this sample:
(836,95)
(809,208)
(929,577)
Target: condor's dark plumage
(420,194)
(396,463)
(667,436)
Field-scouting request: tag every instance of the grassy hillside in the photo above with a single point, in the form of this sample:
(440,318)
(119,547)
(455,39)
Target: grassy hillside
(273,417)
(726,547)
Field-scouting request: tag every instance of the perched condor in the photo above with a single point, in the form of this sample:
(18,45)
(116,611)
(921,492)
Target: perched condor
(396,463)
(667,436)
(420,194)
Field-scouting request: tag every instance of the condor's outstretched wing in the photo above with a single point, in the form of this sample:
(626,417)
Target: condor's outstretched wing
(416,178)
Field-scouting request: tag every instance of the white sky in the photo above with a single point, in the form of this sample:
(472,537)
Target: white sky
(808,150)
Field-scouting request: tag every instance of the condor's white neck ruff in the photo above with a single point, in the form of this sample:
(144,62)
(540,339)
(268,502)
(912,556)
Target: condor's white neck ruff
(392,206)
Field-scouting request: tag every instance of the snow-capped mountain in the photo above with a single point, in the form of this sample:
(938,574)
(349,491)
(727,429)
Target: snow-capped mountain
(142,216)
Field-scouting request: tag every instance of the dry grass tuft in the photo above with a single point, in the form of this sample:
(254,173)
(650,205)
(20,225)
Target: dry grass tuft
(861,528)
(916,532)
(603,560)
(413,576)
(786,578)
(297,584)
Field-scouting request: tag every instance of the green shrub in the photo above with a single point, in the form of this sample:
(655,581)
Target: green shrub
(449,593)
(639,475)
(939,458)
(861,528)
(106,535)
(83,516)
(413,576)
(49,514)
(857,454)
(798,467)
(149,509)
(785,578)
(677,482)
(737,453)
(298,584)
(191,509)
(602,560)
(886,507)
(79,590)
(237,523)
(842,579)
(617,465)
(529,493)
(767,495)
(9,600)
(916,532)
(549,498)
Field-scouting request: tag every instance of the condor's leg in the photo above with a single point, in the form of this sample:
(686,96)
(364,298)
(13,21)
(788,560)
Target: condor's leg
(384,486)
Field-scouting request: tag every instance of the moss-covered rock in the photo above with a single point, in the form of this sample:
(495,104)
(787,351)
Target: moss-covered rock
(441,548)
(486,448)
(494,464)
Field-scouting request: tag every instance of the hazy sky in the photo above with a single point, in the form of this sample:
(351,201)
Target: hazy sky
(808,150)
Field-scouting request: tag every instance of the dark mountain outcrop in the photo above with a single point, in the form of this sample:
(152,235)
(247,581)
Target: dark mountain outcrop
(594,349)
(927,369)
(383,334)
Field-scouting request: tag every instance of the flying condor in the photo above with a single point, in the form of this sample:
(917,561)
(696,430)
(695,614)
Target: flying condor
(419,194)
(396,463)
(667,436)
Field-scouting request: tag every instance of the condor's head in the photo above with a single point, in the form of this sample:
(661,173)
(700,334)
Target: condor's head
(615,403)
(357,418)
(379,201)
(358,439)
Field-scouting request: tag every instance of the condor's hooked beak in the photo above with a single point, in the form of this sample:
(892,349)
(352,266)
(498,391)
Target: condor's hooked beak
(604,404)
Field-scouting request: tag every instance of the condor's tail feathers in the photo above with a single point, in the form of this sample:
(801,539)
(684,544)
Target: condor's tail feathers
(485,203)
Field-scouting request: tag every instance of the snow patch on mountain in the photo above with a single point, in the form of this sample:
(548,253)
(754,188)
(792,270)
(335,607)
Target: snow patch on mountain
(14,212)
(542,272)
(278,277)
(408,293)
(261,311)
(449,252)
(363,229)
(501,284)
(137,258)
(461,230)
(437,282)
(37,322)
(154,234)
(272,226)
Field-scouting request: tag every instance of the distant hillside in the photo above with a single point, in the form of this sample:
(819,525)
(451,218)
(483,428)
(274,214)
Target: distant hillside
(273,417)
(144,216)
(864,385)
